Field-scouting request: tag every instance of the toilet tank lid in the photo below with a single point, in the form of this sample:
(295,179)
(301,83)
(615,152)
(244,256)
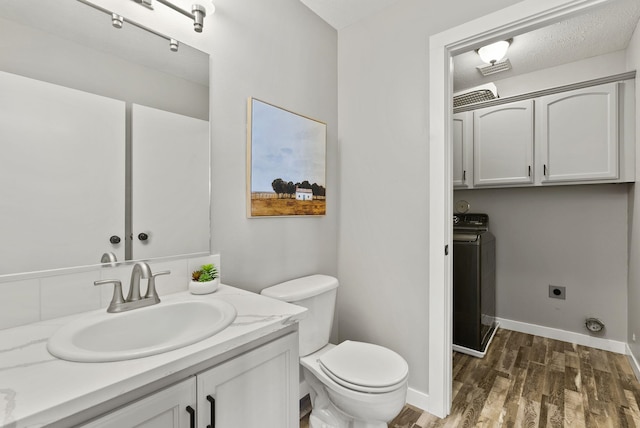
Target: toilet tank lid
(301,288)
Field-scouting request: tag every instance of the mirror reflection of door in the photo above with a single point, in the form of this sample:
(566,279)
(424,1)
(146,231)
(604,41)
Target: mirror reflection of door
(170,183)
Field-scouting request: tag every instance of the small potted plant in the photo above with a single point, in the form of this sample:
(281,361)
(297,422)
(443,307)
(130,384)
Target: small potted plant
(204,280)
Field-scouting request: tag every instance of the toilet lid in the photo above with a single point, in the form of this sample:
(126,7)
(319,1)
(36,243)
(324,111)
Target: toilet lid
(364,367)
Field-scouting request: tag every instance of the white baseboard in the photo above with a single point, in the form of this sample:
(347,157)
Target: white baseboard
(564,335)
(419,399)
(634,363)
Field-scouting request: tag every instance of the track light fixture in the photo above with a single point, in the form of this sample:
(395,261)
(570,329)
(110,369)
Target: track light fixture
(116,20)
(198,12)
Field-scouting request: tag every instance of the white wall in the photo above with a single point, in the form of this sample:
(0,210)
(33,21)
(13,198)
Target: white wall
(571,236)
(383,113)
(633,63)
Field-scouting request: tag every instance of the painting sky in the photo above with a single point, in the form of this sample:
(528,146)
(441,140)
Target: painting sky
(285,145)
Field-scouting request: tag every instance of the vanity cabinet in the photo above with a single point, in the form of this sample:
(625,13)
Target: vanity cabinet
(462,136)
(258,388)
(163,409)
(579,134)
(503,144)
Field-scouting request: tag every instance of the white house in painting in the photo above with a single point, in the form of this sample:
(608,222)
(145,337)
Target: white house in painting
(304,194)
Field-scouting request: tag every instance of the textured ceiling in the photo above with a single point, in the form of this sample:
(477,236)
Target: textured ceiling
(606,30)
(342,13)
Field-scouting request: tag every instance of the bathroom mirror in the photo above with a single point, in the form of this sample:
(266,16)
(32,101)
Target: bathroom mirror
(104,140)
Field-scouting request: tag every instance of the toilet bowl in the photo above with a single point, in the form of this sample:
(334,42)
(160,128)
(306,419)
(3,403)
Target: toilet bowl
(353,384)
(341,403)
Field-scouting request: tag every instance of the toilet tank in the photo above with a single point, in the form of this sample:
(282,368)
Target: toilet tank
(317,293)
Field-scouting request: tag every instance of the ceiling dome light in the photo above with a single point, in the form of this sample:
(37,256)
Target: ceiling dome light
(494,52)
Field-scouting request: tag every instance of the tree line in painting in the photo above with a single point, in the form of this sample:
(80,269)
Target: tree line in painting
(288,189)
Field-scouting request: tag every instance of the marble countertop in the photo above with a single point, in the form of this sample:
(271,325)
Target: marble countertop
(37,388)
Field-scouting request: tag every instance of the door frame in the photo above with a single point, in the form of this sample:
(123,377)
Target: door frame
(522,17)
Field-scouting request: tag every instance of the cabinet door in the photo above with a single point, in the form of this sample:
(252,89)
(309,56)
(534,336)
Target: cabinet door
(256,389)
(164,409)
(579,137)
(503,144)
(462,148)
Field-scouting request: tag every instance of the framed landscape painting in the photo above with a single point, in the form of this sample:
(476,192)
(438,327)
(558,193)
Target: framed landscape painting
(286,162)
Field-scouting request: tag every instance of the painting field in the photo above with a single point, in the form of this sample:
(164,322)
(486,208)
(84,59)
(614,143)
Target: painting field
(261,206)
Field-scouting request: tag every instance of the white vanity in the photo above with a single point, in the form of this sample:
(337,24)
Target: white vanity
(247,374)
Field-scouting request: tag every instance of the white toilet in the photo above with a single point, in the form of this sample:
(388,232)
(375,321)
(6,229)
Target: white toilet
(353,384)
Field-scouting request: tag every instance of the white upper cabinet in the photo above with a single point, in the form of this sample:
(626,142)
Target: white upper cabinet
(579,134)
(503,144)
(462,149)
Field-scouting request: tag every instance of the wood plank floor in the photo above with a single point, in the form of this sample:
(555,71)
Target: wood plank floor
(531,381)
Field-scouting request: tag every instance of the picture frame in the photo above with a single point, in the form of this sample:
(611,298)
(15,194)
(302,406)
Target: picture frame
(286,162)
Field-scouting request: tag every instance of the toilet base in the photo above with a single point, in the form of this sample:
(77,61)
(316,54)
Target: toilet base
(325,414)
(334,418)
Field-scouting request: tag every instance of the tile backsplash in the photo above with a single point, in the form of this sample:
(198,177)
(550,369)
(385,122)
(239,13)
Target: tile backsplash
(51,296)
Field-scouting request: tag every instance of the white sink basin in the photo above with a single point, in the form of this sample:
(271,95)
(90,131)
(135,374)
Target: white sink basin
(140,332)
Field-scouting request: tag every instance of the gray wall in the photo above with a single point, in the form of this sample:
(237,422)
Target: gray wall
(633,63)
(282,53)
(571,236)
(383,112)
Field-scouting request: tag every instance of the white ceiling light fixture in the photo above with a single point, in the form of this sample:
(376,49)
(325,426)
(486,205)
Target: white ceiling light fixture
(494,52)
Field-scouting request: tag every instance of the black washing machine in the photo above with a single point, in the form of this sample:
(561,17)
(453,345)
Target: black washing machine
(474,284)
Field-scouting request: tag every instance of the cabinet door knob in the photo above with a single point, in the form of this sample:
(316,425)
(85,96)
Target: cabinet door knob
(114,239)
(143,236)
(192,416)
(212,400)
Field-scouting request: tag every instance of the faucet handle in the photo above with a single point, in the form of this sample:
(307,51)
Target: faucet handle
(117,298)
(151,286)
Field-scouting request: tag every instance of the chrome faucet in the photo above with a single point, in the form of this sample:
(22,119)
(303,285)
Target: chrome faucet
(108,258)
(134,300)
(140,269)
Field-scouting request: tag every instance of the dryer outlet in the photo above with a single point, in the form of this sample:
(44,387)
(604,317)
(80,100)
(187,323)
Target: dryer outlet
(557,292)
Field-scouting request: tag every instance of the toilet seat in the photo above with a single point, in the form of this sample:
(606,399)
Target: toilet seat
(364,367)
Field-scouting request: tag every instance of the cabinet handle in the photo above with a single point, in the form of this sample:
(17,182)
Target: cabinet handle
(529,170)
(464,175)
(212,400)
(192,416)
(545,170)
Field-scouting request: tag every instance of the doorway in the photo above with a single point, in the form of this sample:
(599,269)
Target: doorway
(519,18)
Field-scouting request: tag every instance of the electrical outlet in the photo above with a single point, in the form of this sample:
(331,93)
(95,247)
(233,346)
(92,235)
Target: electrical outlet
(557,292)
